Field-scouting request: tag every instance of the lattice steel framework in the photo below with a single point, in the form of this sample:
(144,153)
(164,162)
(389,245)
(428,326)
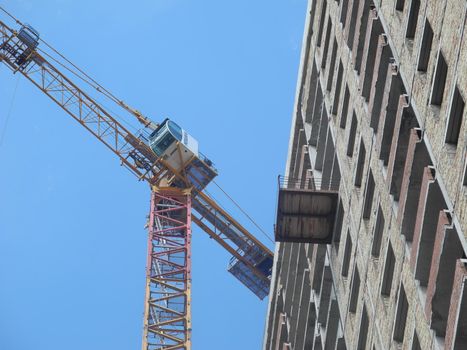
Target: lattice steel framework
(167,311)
(133,152)
(167,316)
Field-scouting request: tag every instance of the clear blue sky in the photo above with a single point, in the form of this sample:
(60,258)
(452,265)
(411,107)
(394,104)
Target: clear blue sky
(72,238)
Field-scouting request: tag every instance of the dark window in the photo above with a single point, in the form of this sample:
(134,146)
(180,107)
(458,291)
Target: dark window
(312,16)
(363,334)
(338,226)
(362,35)
(401,316)
(326,44)
(413,17)
(416,342)
(345,108)
(360,164)
(344,7)
(321,23)
(337,92)
(378,233)
(388,272)
(400,5)
(332,66)
(455,118)
(352,134)
(354,292)
(440,81)
(370,191)
(425,50)
(347,255)
(353,23)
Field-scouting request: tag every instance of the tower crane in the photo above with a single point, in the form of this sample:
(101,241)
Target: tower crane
(168,159)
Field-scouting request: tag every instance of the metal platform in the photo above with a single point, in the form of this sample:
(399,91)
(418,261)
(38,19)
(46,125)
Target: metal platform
(306,210)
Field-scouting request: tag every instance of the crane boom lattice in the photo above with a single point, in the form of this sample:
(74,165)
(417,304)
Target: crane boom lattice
(165,156)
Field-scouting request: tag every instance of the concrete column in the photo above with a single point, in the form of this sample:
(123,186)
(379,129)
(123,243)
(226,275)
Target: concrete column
(316,118)
(319,266)
(405,121)
(309,99)
(323,131)
(364,10)
(456,333)
(302,319)
(332,326)
(430,204)
(374,29)
(332,66)
(446,252)
(291,278)
(414,140)
(392,90)
(296,311)
(383,54)
(328,162)
(310,328)
(325,296)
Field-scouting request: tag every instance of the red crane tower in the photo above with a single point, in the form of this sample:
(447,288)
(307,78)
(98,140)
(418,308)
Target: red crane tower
(167,158)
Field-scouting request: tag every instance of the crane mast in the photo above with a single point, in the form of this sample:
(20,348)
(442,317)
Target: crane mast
(177,180)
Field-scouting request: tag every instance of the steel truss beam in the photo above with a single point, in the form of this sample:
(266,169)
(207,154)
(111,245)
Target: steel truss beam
(133,152)
(167,316)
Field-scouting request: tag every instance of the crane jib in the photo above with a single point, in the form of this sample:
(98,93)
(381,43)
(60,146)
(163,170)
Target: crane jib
(251,263)
(18,51)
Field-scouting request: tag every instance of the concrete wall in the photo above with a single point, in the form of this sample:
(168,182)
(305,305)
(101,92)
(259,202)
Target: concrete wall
(362,84)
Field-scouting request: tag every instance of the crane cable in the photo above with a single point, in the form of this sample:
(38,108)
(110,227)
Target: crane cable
(87,79)
(10,109)
(84,76)
(120,118)
(244,212)
(11,16)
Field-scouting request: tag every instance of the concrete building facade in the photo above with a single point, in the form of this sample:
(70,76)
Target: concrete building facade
(380,109)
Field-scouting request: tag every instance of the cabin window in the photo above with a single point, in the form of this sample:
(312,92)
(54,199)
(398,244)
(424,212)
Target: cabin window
(175,130)
(161,144)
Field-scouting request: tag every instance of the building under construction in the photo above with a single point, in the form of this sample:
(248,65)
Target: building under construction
(372,211)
